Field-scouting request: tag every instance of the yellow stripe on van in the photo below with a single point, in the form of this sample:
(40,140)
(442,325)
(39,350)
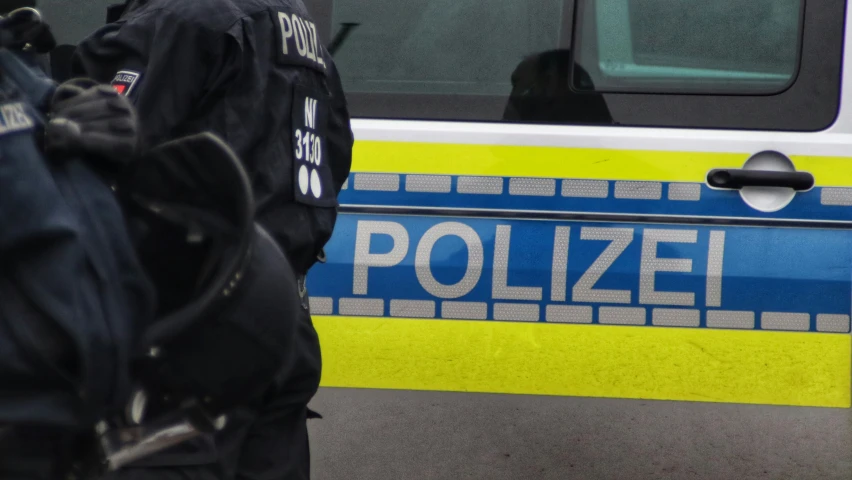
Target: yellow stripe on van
(756,367)
(582,163)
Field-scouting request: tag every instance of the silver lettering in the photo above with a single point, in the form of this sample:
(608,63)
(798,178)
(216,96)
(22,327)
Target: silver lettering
(313,29)
(475,257)
(306,141)
(559,278)
(317,151)
(299,151)
(651,264)
(14,118)
(500,289)
(310,112)
(715,259)
(583,291)
(286,31)
(364,259)
(309,43)
(301,41)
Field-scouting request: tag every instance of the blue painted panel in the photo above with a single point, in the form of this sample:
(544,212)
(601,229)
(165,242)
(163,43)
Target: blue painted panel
(763,269)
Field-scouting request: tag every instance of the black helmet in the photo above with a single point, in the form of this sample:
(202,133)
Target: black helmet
(228,295)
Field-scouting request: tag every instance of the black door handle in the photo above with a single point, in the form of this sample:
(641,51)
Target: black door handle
(736,179)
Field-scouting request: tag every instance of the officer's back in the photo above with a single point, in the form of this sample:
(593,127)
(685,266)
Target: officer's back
(255,74)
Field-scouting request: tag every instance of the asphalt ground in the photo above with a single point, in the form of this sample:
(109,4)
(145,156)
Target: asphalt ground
(400,435)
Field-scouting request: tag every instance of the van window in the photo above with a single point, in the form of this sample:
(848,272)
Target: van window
(733,64)
(442,46)
(713,46)
(446,59)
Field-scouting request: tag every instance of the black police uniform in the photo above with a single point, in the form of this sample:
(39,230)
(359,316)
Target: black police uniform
(73,293)
(255,73)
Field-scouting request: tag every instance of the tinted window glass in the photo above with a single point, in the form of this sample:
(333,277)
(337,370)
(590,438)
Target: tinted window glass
(769,64)
(442,46)
(718,63)
(713,46)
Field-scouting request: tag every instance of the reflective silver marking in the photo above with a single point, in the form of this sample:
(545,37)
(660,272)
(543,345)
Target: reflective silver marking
(688,192)
(785,321)
(473,269)
(836,196)
(559,277)
(464,310)
(730,319)
(585,188)
(516,312)
(533,187)
(377,182)
(412,308)
(584,290)
(345,185)
(321,305)
(500,289)
(651,264)
(715,261)
(428,183)
(673,317)
(621,315)
(568,314)
(480,185)
(639,190)
(833,323)
(368,307)
(364,260)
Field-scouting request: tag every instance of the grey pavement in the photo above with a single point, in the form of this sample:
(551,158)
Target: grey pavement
(401,435)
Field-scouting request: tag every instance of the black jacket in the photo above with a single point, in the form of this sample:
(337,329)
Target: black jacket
(255,73)
(73,296)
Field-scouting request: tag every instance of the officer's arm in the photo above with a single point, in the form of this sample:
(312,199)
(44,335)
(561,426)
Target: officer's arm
(165,64)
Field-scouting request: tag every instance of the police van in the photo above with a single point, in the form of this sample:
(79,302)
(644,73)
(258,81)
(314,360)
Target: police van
(644,200)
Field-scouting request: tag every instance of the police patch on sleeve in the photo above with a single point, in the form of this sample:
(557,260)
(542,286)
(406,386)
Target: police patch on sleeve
(312,179)
(298,42)
(124,81)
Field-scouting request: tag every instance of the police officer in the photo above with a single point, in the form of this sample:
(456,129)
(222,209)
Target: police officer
(72,291)
(255,73)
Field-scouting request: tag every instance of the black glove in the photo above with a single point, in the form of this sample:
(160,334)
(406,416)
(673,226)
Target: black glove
(92,120)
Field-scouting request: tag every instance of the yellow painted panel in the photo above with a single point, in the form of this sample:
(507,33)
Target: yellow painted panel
(555,162)
(757,367)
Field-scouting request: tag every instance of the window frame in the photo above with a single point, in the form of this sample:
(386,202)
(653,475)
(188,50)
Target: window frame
(811,103)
